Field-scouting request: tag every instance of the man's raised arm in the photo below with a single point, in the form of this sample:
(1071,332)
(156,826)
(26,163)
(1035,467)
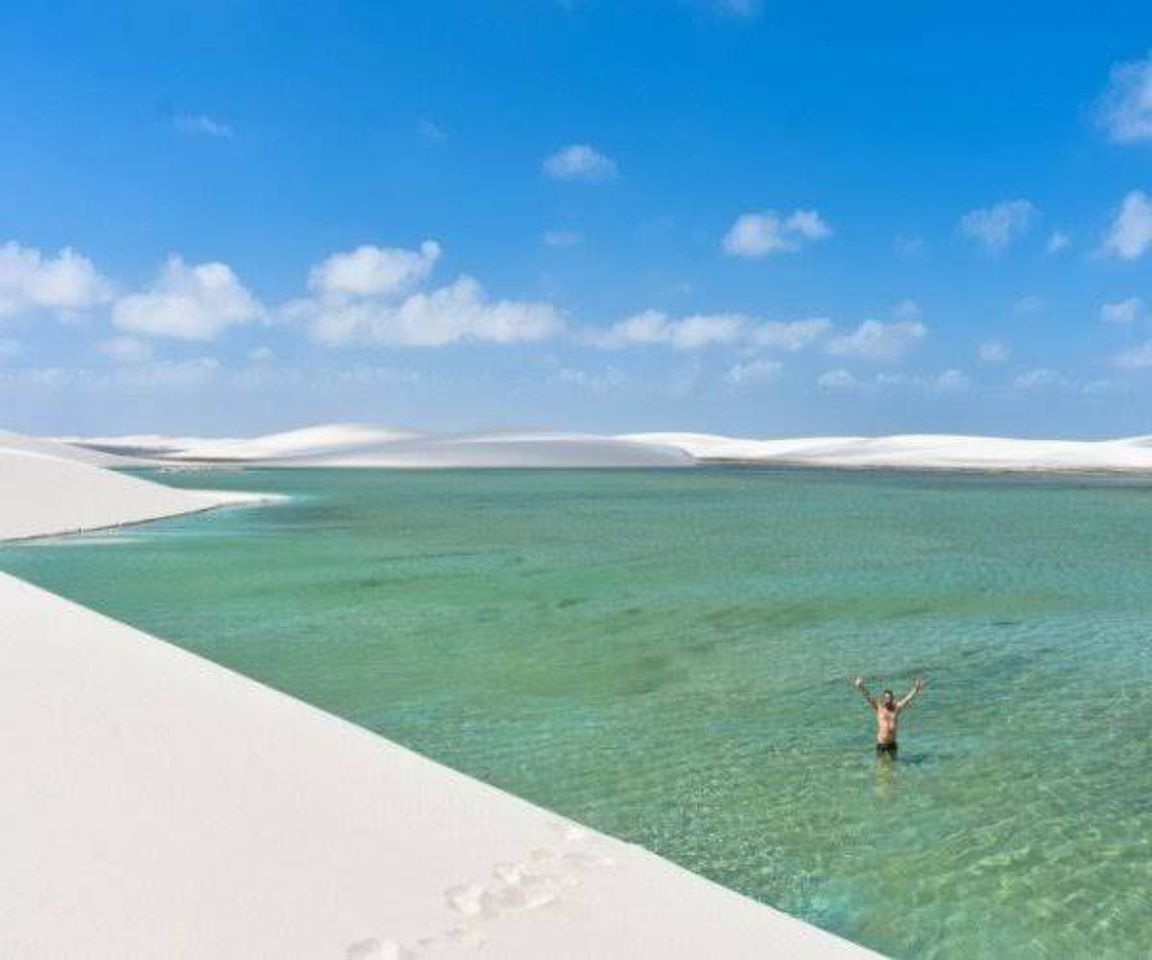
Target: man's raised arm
(912,694)
(858,683)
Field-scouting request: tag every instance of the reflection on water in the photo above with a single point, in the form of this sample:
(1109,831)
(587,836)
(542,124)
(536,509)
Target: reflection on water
(666,655)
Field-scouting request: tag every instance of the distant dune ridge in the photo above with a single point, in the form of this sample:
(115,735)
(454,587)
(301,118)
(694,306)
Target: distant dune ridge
(361,445)
(920,452)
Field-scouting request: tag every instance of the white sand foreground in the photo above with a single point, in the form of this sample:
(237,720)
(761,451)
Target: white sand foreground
(157,805)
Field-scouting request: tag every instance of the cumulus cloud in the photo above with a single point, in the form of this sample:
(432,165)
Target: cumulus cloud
(689,333)
(1040,378)
(698,331)
(373,271)
(126,349)
(907,310)
(733,8)
(599,383)
(31,281)
(950,381)
(834,381)
(580,162)
(458,312)
(994,351)
(755,235)
(1130,234)
(753,372)
(792,336)
(1123,311)
(873,340)
(188,302)
(201,125)
(1058,241)
(1125,110)
(996,227)
(1135,358)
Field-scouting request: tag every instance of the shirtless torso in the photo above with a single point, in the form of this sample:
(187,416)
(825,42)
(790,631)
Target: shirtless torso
(887,709)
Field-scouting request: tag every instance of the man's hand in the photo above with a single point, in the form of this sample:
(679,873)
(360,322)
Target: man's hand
(858,682)
(919,684)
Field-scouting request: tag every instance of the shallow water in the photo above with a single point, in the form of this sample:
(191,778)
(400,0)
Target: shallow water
(665,655)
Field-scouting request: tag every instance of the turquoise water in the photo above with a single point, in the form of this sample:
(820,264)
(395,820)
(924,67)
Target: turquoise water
(665,655)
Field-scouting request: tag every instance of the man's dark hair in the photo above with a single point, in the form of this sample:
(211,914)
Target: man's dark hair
(888,693)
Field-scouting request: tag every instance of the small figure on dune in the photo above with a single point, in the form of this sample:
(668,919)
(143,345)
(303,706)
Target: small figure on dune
(887,710)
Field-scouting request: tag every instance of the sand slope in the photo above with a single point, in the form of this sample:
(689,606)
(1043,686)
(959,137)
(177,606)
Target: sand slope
(64,451)
(43,495)
(920,451)
(157,805)
(359,445)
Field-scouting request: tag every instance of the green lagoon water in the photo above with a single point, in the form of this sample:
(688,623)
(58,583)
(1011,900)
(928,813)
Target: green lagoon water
(665,655)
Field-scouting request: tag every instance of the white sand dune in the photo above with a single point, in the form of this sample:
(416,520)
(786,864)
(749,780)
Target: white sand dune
(359,445)
(43,495)
(921,452)
(500,450)
(64,450)
(156,805)
(322,439)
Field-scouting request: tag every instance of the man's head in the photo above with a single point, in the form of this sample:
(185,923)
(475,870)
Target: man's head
(888,699)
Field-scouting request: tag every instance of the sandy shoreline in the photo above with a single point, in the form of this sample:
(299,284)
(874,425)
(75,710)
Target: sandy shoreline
(158,805)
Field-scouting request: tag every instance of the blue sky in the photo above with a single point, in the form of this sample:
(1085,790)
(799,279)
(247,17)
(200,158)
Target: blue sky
(606,215)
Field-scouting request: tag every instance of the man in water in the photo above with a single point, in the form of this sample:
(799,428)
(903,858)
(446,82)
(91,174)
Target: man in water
(888,710)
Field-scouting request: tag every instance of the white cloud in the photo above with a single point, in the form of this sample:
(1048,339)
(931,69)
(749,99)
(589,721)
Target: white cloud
(32,281)
(994,351)
(1123,311)
(907,310)
(998,226)
(952,381)
(698,331)
(202,125)
(873,340)
(365,296)
(599,383)
(1058,241)
(834,381)
(562,238)
(126,349)
(188,302)
(1028,305)
(793,336)
(753,372)
(170,373)
(458,312)
(755,235)
(1126,107)
(949,382)
(735,8)
(1135,358)
(689,333)
(1130,234)
(1040,378)
(579,161)
(374,271)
